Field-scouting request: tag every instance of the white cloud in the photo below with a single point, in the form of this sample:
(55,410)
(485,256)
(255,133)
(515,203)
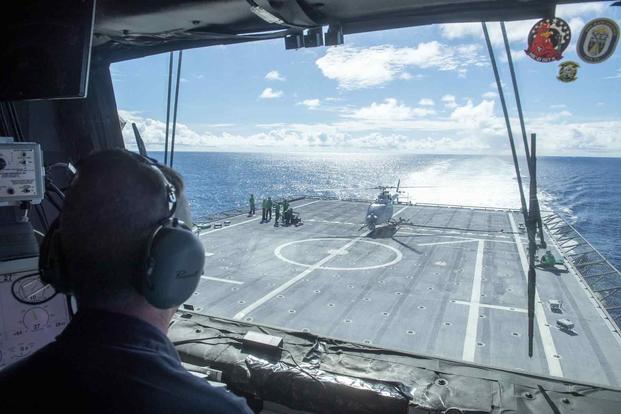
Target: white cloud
(426,102)
(389,110)
(615,76)
(567,11)
(471,128)
(274,75)
(490,95)
(471,116)
(310,103)
(449,101)
(223,125)
(558,106)
(269,93)
(518,31)
(355,68)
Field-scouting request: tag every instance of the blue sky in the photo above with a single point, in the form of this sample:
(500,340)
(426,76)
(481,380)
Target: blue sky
(423,90)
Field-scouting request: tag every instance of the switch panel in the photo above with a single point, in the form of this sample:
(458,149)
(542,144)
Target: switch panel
(21,173)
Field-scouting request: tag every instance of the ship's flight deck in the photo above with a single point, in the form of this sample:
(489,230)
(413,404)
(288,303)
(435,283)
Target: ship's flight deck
(452,285)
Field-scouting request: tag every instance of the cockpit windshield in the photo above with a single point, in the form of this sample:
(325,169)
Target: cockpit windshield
(415,119)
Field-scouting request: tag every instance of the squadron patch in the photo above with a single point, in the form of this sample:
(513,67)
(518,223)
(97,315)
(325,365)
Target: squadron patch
(598,40)
(568,71)
(548,39)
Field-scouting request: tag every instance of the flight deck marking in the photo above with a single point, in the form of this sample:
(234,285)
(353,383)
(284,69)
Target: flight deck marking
(330,222)
(241,314)
(217,279)
(295,279)
(463,239)
(554,364)
(470,339)
(447,242)
(463,236)
(339,252)
(248,221)
(485,305)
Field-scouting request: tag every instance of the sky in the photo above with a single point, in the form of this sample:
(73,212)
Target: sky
(426,89)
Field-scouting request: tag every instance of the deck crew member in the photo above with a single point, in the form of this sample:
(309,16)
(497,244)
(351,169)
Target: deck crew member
(548,259)
(114,356)
(264,210)
(285,206)
(269,208)
(252,206)
(288,216)
(277,213)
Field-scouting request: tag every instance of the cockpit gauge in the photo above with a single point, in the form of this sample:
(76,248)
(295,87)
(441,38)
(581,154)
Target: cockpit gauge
(31,290)
(36,319)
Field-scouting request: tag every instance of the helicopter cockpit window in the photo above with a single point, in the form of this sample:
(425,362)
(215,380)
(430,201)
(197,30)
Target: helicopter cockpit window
(284,151)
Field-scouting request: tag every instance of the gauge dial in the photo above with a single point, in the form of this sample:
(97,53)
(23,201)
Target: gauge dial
(36,319)
(31,290)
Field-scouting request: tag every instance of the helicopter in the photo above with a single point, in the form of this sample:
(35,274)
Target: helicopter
(380,211)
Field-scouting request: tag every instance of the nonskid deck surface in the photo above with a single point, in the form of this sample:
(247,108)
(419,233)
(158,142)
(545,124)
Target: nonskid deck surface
(454,286)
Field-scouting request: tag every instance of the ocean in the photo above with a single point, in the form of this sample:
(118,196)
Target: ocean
(585,191)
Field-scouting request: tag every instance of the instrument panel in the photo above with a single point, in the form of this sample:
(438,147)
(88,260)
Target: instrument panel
(21,172)
(32,314)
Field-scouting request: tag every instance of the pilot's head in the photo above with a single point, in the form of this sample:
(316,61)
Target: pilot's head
(111,209)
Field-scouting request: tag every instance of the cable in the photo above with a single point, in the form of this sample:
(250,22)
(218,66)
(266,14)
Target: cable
(42,217)
(53,202)
(170,71)
(175,110)
(49,184)
(200,340)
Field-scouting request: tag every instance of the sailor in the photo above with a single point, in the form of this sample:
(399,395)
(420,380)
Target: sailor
(277,213)
(285,206)
(288,216)
(264,208)
(252,206)
(114,356)
(548,259)
(269,208)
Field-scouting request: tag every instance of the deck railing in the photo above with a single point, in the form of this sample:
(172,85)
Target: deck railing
(599,274)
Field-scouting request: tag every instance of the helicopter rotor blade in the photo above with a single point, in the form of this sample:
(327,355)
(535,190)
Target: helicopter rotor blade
(379,187)
(348,188)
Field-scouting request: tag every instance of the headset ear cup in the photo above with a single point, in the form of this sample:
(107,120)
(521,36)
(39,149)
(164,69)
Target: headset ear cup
(51,260)
(173,267)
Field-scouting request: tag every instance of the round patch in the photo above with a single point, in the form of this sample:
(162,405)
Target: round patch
(598,40)
(568,71)
(548,39)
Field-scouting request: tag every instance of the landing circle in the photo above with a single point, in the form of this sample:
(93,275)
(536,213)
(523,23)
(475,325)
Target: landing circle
(339,252)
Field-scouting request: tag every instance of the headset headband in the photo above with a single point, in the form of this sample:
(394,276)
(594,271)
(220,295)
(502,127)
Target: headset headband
(170,188)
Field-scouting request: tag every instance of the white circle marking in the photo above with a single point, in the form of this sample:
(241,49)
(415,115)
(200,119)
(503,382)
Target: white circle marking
(397,259)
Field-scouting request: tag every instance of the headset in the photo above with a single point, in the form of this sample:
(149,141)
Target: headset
(173,263)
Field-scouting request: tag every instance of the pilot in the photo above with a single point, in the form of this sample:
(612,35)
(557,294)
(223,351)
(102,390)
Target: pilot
(114,356)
